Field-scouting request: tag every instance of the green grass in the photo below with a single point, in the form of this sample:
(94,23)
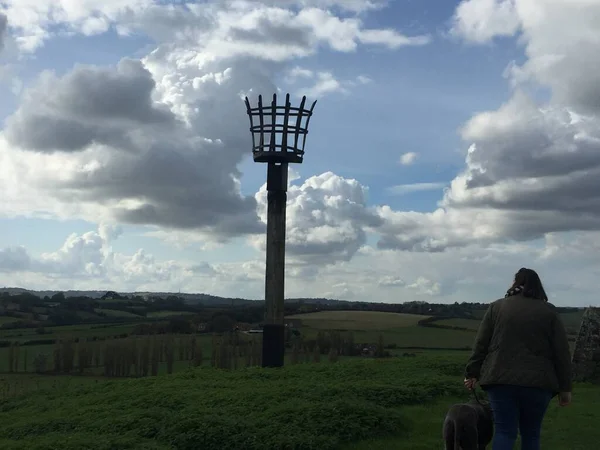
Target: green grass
(356,404)
(308,406)
(84,330)
(418,337)
(116,313)
(12,385)
(357,320)
(572,428)
(6,319)
(471,324)
(168,313)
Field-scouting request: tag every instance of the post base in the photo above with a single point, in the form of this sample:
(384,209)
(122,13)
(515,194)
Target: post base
(273,348)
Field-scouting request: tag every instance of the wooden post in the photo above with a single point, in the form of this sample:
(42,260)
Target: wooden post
(273,330)
(278,156)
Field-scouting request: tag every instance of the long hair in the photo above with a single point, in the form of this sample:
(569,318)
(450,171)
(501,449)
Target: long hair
(531,283)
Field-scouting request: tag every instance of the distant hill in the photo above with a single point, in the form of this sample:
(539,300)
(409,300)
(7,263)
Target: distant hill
(476,310)
(205,299)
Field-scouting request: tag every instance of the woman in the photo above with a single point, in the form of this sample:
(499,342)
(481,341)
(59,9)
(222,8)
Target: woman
(521,358)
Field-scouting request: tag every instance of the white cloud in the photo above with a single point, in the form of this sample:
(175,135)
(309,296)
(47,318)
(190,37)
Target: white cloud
(35,20)
(140,142)
(402,189)
(568,267)
(171,160)
(323,83)
(362,79)
(531,169)
(296,73)
(408,159)
(481,20)
(425,286)
(327,218)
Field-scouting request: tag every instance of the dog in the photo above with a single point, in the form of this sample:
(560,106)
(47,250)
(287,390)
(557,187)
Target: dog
(468,426)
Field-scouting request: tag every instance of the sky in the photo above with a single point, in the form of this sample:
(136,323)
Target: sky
(452,144)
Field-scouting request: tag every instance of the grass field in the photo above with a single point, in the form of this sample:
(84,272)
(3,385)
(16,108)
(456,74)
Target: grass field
(116,313)
(87,331)
(398,329)
(6,319)
(470,324)
(357,404)
(357,320)
(161,314)
(354,404)
(572,428)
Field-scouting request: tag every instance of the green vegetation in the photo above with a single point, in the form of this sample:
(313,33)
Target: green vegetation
(168,313)
(357,320)
(354,404)
(162,374)
(306,406)
(4,319)
(115,313)
(572,428)
(469,324)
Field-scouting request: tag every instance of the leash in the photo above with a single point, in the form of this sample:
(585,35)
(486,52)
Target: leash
(476,396)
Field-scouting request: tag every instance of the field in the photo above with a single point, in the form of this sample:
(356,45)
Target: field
(470,324)
(356,403)
(357,320)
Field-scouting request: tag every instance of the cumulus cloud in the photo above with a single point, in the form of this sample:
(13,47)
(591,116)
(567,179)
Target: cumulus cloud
(134,161)
(14,259)
(35,21)
(156,142)
(327,218)
(530,168)
(471,273)
(88,106)
(151,142)
(481,20)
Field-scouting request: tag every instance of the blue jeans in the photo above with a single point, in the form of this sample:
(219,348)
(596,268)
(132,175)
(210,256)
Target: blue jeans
(518,408)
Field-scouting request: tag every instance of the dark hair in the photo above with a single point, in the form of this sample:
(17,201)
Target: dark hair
(532,285)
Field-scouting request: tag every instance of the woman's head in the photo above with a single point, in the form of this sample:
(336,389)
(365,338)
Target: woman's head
(531,283)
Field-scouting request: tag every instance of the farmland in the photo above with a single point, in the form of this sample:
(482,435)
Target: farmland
(357,320)
(150,380)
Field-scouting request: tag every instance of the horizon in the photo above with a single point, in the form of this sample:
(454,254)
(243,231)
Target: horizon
(452,143)
(340,300)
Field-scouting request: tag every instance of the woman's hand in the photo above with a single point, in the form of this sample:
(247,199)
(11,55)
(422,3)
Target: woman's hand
(470,383)
(564,398)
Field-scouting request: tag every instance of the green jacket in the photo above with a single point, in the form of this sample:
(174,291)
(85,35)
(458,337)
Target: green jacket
(521,341)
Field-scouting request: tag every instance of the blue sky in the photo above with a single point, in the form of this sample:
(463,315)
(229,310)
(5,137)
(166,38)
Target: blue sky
(418,99)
